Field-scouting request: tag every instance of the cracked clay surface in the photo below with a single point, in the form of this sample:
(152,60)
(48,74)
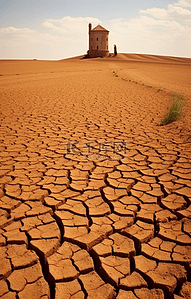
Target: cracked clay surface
(94,194)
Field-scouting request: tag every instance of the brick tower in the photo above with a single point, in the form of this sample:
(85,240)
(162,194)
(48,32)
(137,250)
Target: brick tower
(98,41)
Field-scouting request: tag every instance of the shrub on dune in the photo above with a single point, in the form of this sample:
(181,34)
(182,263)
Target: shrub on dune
(175,110)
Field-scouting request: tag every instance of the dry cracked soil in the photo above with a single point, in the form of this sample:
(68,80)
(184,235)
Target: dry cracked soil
(94,194)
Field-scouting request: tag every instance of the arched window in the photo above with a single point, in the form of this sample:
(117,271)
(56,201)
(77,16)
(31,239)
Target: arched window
(97,47)
(97,38)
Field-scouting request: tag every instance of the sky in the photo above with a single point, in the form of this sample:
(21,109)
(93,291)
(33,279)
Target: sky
(58,29)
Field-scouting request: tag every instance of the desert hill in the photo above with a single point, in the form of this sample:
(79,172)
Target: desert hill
(94,193)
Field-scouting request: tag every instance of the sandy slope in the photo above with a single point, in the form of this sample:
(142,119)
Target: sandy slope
(92,189)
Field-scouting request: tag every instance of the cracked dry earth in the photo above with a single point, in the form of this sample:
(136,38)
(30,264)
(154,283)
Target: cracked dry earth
(94,194)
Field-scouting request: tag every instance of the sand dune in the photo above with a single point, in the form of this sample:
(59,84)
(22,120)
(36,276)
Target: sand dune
(94,194)
(155,58)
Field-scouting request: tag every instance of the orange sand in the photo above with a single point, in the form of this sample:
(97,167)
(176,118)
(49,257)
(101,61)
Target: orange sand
(94,194)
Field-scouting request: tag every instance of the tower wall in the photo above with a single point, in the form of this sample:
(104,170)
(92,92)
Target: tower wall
(98,43)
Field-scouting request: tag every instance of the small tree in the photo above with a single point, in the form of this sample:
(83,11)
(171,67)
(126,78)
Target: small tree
(115,50)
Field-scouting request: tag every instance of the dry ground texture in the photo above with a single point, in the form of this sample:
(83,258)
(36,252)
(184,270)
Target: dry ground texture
(94,194)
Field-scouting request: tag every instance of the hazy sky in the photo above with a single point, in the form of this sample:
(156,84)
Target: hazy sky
(56,29)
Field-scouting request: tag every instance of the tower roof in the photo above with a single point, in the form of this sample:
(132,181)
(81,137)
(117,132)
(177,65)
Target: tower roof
(99,28)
